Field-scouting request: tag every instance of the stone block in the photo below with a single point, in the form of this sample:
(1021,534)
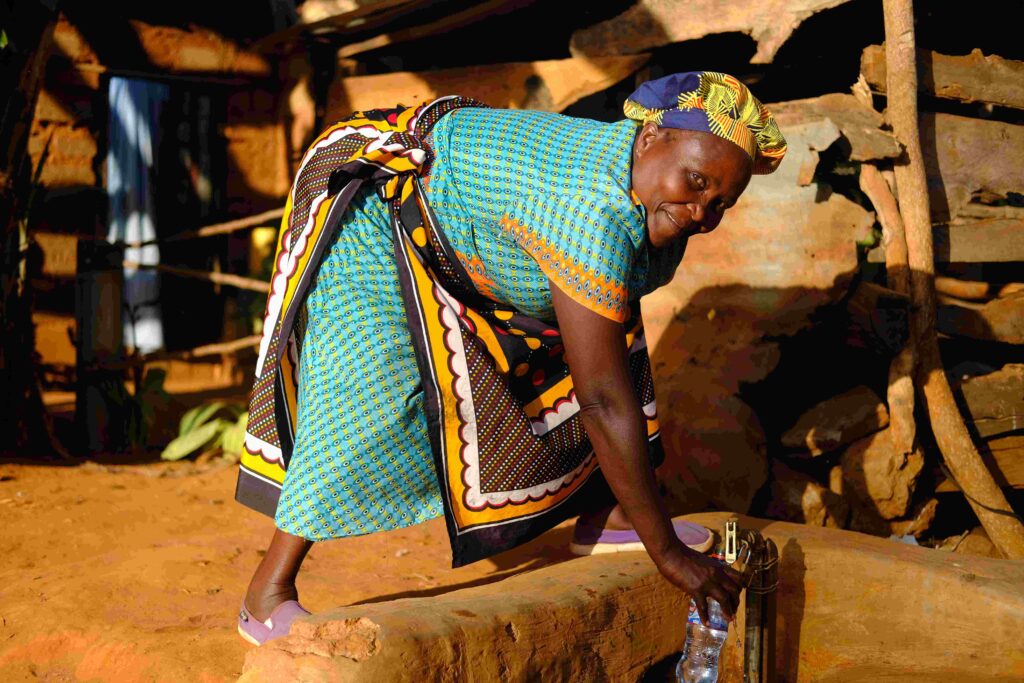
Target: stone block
(837,421)
(879,476)
(850,608)
(796,497)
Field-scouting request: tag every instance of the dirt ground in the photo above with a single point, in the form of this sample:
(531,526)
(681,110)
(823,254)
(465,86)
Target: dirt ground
(136,572)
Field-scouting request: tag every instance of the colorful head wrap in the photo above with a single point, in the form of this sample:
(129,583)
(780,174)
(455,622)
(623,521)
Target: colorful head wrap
(714,103)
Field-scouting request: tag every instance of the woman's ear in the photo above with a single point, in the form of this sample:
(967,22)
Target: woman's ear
(646,137)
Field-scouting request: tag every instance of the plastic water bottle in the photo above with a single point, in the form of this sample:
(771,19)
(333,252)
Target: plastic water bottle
(699,663)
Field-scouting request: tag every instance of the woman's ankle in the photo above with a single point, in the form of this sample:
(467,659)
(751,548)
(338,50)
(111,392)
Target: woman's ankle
(262,598)
(612,517)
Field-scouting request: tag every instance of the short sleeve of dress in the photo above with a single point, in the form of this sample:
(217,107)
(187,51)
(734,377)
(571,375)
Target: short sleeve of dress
(586,245)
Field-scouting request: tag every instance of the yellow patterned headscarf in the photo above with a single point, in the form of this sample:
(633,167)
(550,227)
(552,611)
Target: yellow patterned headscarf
(714,103)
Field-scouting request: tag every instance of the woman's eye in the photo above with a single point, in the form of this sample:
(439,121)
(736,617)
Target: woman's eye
(697,180)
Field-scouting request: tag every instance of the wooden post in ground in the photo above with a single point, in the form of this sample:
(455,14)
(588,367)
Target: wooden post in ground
(99,299)
(24,426)
(900,394)
(963,459)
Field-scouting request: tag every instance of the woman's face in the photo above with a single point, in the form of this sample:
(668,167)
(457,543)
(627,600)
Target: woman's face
(686,180)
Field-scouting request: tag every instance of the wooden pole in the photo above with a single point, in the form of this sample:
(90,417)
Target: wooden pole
(900,393)
(99,286)
(238,281)
(205,351)
(258,220)
(985,497)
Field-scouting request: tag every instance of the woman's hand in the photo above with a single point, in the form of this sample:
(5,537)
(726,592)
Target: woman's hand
(702,577)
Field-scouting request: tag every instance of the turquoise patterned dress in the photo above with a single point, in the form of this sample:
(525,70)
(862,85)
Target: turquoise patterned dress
(524,198)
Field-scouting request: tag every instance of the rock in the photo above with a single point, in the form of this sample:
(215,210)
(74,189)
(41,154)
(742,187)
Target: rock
(715,448)
(797,497)
(880,478)
(918,522)
(351,639)
(974,542)
(653,23)
(850,608)
(837,421)
(859,124)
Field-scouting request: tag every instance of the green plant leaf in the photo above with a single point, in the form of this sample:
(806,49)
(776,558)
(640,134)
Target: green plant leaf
(3,39)
(196,417)
(233,438)
(195,440)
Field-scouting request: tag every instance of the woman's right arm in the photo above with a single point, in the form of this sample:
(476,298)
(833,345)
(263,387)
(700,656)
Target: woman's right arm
(598,360)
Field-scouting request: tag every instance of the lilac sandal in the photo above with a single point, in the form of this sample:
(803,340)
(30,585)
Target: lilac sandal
(277,625)
(590,540)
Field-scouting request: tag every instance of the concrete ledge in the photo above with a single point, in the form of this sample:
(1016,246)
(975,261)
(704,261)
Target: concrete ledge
(851,608)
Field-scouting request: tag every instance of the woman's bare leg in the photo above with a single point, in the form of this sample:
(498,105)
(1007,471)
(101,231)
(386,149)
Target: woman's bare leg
(608,517)
(274,580)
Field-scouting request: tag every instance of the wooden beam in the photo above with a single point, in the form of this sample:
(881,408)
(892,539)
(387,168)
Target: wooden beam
(143,49)
(550,85)
(474,13)
(1004,457)
(266,218)
(968,157)
(970,78)
(999,320)
(995,401)
(237,281)
(999,240)
(366,17)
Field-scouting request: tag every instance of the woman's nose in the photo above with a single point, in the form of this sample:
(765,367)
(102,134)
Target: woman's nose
(697,213)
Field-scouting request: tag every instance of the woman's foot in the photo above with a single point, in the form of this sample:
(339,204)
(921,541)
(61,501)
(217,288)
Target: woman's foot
(277,625)
(608,530)
(591,540)
(271,603)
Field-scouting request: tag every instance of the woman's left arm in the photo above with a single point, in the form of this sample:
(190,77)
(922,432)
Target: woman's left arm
(596,351)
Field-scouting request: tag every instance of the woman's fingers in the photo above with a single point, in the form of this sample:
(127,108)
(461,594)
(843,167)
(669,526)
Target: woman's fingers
(724,600)
(701,601)
(733,574)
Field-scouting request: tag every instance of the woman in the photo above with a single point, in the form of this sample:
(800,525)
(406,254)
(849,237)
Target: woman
(418,338)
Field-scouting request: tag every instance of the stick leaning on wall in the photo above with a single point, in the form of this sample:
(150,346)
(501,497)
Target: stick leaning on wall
(985,497)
